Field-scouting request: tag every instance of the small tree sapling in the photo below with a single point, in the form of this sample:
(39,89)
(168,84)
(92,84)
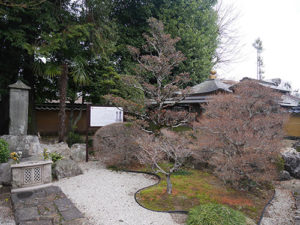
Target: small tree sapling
(168,147)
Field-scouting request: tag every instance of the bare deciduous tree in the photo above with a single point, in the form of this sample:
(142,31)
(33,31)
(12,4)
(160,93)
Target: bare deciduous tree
(229,40)
(243,132)
(168,147)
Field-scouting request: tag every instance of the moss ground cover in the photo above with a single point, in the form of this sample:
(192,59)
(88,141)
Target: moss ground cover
(193,187)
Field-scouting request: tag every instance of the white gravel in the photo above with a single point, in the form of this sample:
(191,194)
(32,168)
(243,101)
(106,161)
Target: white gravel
(107,198)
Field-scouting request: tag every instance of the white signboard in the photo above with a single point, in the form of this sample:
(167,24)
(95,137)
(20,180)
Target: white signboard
(102,116)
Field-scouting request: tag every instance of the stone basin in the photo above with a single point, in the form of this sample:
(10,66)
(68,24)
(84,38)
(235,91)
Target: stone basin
(31,173)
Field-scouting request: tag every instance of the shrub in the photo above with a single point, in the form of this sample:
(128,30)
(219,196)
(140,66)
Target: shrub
(55,156)
(115,145)
(4,151)
(243,133)
(73,138)
(215,214)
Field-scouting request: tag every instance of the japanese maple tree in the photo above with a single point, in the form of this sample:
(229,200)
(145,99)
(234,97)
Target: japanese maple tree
(242,133)
(162,87)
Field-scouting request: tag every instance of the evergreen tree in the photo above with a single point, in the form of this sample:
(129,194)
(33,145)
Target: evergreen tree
(194,21)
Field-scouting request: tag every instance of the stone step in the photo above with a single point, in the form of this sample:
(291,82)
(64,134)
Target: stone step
(45,206)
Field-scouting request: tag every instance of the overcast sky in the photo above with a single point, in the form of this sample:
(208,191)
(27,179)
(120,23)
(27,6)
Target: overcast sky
(277,24)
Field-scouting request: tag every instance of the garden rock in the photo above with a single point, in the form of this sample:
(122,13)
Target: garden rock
(284,175)
(292,162)
(60,148)
(66,168)
(5,174)
(78,152)
(29,145)
(296,145)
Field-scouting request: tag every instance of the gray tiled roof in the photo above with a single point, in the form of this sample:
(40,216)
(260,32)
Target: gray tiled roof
(55,107)
(295,110)
(210,86)
(289,101)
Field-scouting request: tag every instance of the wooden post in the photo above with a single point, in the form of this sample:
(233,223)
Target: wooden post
(88,110)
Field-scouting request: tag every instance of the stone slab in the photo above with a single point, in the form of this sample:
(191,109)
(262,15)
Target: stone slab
(71,214)
(80,221)
(45,206)
(26,214)
(42,222)
(63,204)
(30,188)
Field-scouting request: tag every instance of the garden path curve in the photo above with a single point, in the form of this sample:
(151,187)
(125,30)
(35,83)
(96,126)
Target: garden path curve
(107,197)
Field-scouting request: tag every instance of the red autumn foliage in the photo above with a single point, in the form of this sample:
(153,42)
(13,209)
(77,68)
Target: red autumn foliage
(242,134)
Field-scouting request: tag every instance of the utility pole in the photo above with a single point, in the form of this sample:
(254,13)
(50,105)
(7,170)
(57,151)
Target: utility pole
(259,48)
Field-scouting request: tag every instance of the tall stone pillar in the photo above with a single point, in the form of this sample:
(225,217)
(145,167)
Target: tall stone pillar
(18,108)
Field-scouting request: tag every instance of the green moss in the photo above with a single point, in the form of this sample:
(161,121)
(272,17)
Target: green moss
(181,129)
(128,125)
(113,168)
(280,163)
(205,198)
(182,173)
(215,214)
(194,187)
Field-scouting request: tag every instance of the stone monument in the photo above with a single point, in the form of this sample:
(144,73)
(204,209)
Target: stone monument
(32,170)
(18,108)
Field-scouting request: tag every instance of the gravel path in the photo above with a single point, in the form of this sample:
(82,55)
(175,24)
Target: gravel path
(281,209)
(107,198)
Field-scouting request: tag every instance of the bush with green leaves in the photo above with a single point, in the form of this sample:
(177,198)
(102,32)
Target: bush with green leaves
(55,157)
(73,138)
(215,214)
(4,151)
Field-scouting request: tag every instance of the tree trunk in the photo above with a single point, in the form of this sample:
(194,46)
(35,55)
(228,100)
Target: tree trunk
(71,116)
(169,184)
(74,125)
(63,85)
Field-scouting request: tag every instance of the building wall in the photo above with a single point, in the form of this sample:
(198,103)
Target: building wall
(47,121)
(292,127)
